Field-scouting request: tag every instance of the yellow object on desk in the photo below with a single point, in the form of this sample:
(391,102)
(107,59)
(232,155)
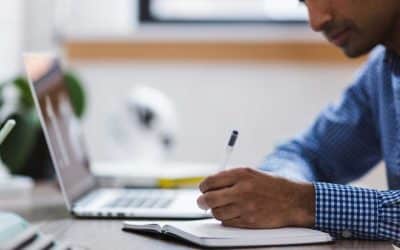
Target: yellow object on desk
(166,175)
(179,182)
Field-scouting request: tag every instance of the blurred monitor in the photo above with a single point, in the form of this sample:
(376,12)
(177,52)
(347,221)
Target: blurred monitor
(225,11)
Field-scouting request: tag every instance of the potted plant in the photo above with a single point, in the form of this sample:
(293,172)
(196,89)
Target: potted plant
(25,151)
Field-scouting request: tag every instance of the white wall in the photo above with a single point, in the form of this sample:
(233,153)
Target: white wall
(49,21)
(100,17)
(266,102)
(39,25)
(11,24)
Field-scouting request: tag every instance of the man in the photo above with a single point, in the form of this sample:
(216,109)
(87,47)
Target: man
(345,142)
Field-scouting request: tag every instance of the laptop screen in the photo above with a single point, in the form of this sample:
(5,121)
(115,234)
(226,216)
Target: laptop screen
(60,125)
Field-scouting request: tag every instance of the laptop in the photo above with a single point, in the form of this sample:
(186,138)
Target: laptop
(83,195)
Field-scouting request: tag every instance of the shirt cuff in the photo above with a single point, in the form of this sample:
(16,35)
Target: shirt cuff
(346,211)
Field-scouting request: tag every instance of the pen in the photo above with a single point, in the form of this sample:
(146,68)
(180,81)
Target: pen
(6,129)
(229,148)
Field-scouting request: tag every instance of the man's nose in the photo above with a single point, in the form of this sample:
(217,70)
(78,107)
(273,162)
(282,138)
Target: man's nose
(319,13)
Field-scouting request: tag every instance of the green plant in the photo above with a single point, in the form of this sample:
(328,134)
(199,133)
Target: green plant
(25,151)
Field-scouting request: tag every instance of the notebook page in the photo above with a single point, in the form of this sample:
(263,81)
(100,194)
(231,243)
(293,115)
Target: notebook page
(211,233)
(213,229)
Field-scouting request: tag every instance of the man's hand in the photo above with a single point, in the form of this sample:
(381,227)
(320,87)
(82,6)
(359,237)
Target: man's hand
(248,198)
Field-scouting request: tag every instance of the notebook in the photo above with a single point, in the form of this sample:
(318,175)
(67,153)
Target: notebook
(210,233)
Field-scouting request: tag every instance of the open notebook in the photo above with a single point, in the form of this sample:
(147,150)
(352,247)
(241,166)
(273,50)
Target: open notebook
(210,233)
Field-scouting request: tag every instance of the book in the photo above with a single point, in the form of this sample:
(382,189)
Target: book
(211,233)
(17,233)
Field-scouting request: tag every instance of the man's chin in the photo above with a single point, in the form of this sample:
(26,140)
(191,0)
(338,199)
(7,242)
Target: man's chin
(353,52)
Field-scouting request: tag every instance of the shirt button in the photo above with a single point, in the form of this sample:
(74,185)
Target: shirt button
(346,234)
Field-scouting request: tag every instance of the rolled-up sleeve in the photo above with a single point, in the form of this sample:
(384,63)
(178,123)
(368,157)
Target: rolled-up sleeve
(341,145)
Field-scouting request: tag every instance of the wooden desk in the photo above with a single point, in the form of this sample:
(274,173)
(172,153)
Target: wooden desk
(46,209)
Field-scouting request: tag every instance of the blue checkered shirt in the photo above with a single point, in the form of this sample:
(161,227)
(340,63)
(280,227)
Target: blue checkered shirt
(347,140)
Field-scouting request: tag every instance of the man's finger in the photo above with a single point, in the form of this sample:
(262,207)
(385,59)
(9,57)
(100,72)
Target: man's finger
(217,198)
(218,181)
(235,222)
(201,203)
(227,212)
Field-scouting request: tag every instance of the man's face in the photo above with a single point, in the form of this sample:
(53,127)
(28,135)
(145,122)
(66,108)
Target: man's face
(356,26)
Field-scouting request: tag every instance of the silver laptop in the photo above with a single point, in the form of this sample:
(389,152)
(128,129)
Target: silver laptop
(83,196)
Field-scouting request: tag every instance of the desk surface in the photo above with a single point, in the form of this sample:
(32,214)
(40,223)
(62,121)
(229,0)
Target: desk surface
(46,209)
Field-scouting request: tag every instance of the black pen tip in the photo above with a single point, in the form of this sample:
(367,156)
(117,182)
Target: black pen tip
(233,138)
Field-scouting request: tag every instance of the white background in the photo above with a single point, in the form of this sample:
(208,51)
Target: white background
(11,24)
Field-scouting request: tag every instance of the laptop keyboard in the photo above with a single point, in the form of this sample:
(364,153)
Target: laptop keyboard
(142,199)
